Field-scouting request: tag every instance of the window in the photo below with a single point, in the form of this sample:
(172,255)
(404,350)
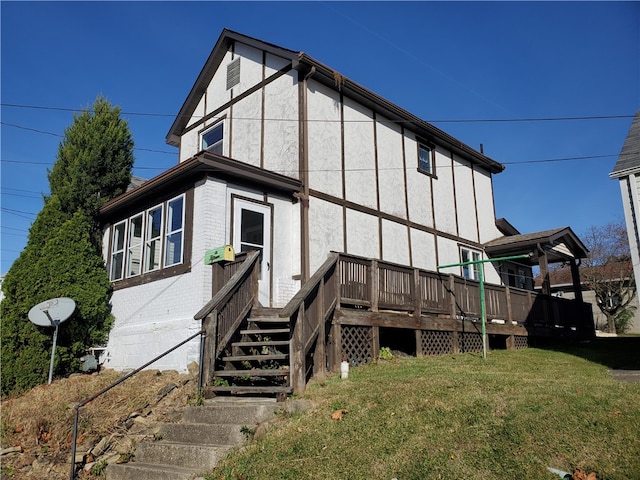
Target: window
(212,139)
(134,255)
(148,241)
(153,245)
(425,159)
(175,222)
(470,272)
(117,251)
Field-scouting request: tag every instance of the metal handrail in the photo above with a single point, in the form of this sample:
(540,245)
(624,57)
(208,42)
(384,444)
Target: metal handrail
(118,382)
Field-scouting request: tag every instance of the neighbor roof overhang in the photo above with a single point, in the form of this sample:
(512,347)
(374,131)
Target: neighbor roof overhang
(559,245)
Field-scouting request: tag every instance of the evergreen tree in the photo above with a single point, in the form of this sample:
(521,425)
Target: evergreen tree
(63,256)
(94,160)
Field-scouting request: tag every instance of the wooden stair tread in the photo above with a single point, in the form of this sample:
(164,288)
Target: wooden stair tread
(254,372)
(268,319)
(252,389)
(264,331)
(240,358)
(264,343)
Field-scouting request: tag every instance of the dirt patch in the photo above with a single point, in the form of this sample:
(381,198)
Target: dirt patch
(37,427)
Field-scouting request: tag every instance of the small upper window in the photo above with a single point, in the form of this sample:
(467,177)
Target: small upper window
(212,139)
(425,159)
(470,271)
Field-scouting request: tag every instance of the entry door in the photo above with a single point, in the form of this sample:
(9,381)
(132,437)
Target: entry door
(252,231)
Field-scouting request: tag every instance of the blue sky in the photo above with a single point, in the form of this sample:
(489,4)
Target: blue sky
(446,62)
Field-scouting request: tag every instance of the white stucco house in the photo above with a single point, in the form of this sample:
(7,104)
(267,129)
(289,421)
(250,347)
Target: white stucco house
(627,172)
(279,152)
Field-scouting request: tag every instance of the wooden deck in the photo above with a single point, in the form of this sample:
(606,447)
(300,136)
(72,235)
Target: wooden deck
(352,307)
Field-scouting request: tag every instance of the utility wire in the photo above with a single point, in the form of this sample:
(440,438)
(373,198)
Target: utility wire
(470,120)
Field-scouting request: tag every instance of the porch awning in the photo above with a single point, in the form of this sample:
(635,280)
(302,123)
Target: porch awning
(549,246)
(559,245)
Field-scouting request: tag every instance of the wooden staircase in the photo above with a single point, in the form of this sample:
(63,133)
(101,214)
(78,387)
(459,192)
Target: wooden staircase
(257,361)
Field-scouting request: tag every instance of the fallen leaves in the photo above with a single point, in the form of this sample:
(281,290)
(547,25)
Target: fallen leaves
(579,474)
(338,414)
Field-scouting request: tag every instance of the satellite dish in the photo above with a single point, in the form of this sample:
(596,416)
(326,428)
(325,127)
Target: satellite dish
(52,313)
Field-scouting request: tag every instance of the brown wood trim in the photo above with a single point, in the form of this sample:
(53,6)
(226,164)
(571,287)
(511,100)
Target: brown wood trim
(345,230)
(305,262)
(375,156)
(406,195)
(475,200)
(386,216)
(250,173)
(284,70)
(455,196)
(263,95)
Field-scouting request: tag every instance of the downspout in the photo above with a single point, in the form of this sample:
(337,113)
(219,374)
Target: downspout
(304,177)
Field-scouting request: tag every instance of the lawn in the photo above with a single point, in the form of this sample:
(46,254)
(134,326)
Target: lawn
(512,415)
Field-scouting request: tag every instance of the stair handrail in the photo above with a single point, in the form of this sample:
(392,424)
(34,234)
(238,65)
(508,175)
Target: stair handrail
(218,337)
(301,340)
(89,399)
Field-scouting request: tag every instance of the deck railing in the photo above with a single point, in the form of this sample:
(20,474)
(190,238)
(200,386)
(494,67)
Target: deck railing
(378,285)
(309,312)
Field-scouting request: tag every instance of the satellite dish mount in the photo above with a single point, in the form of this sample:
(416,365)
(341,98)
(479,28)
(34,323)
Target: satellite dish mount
(51,313)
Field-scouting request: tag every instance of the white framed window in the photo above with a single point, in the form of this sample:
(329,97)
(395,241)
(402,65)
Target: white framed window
(149,241)
(470,272)
(117,251)
(174,231)
(153,243)
(212,139)
(134,253)
(425,159)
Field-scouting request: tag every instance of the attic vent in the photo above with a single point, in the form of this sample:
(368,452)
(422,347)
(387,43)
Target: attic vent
(233,73)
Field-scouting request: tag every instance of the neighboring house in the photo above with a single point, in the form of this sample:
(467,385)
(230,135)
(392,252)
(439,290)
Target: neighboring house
(562,286)
(627,171)
(280,153)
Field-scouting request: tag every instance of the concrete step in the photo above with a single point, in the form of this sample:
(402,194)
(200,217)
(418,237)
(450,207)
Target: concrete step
(143,471)
(203,433)
(201,457)
(232,413)
(251,390)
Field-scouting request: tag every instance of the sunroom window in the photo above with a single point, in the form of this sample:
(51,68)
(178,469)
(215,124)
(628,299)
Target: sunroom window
(134,254)
(148,241)
(153,246)
(175,223)
(117,250)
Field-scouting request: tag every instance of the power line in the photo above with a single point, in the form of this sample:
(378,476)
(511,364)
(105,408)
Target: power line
(469,120)
(18,213)
(521,162)
(62,136)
